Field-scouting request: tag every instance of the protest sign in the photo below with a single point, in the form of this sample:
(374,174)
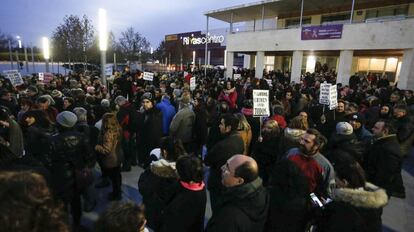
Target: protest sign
(108,69)
(192,83)
(14,77)
(148,76)
(328,95)
(261,103)
(236,76)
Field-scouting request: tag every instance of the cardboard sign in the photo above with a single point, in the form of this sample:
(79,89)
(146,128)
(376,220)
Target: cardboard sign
(14,77)
(192,83)
(261,103)
(328,95)
(108,69)
(236,76)
(148,76)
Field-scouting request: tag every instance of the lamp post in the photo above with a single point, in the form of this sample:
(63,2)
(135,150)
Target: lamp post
(103,41)
(46,52)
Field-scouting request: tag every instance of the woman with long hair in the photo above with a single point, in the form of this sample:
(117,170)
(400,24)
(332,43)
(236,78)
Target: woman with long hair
(110,150)
(245,132)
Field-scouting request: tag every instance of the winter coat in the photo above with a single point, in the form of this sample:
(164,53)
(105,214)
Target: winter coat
(290,139)
(110,149)
(347,143)
(128,119)
(254,123)
(230,98)
(181,126)
(185,212)
(68,155)
(405,133)
(200,130)
(216,157)
(383,165)
(150,130)
(266,154)
(363,134)
(38,141)
(242,208)
(168,112)
(354,210)
(156,186)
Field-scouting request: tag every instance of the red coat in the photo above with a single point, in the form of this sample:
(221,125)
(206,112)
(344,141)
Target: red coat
(229,98)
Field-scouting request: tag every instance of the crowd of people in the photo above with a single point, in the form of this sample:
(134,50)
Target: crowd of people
(302,168)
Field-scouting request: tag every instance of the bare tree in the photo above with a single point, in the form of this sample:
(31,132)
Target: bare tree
(133,45)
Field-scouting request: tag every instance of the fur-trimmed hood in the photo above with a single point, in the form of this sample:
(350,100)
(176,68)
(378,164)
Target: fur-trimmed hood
(164,168)
(369,197)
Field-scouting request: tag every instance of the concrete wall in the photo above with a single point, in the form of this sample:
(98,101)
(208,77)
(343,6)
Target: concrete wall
(382,35)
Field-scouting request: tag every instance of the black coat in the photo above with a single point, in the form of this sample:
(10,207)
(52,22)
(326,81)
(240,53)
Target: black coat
(37,143)
(156,186)
(149,131)
(266,154)
(383,165)
(185,212)
(405,133)
(347,143)
(354,210)
(242,208)
(218,156)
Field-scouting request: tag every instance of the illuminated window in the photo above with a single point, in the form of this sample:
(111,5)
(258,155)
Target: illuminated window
(363,64)
(377,64)
(391,65)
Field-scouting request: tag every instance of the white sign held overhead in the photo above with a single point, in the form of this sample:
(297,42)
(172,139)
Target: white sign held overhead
(41,76)
(148,76)
(108,69)
(328,95)
(261,103)
(236,76)
(193,83)
(14,77)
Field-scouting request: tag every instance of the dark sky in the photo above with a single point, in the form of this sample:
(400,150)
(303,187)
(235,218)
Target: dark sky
(32,19)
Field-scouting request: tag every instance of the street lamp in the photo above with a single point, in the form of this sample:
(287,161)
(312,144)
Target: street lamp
(46,53)
(103,41)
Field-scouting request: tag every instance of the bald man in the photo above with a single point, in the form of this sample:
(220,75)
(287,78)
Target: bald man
(243,205)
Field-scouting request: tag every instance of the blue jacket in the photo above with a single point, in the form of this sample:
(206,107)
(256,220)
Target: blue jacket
(168,112)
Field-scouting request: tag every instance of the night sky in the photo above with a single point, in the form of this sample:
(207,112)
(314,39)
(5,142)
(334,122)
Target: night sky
(32,19)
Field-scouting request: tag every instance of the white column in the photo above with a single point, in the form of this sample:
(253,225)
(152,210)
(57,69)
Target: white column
(229,64)
(406,80)
(246,61)
(260,56)
(345,67)
(208,57)
(296,66)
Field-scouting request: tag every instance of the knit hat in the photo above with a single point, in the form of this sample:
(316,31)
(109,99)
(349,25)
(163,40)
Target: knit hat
(66,119)
(357,117)
(344,128)
(105,103)
(120,100)
(56,93)
(146,96)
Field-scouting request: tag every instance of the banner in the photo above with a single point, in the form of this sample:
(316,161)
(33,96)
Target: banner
(14,77)
(193,83)
(148,76)
(109,69)
(236,76)
(261,103)
(322,32)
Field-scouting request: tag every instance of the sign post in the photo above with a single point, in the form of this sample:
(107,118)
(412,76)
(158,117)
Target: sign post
(261,105)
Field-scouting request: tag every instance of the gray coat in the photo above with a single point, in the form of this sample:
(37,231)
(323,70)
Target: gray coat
(181,126)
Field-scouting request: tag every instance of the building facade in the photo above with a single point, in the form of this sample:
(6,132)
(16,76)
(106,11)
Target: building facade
(360,36)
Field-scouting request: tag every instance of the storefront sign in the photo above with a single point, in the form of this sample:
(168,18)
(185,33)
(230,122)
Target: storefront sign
(14,77)
(203,40)
(261,103)
(322,32)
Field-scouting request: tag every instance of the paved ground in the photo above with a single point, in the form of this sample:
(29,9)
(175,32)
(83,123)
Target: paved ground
(398,215)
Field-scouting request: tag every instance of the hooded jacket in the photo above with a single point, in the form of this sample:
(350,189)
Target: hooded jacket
(168,112)
(242,208)
(354,210)
(156,186)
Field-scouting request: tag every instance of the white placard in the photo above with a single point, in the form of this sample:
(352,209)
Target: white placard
(108,69)
(148,76)
(14,77)
(41,76)
(236,76)
(185,74)
(192,83)
(261,103)
(269,82)
(328,95)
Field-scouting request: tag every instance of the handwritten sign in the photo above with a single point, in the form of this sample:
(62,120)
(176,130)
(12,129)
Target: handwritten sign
(148,76)
(14,76)
(261,103)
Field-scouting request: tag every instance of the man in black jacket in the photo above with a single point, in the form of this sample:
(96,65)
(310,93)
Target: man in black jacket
(217,156)
(383,162)
(404,124)
(244,202)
